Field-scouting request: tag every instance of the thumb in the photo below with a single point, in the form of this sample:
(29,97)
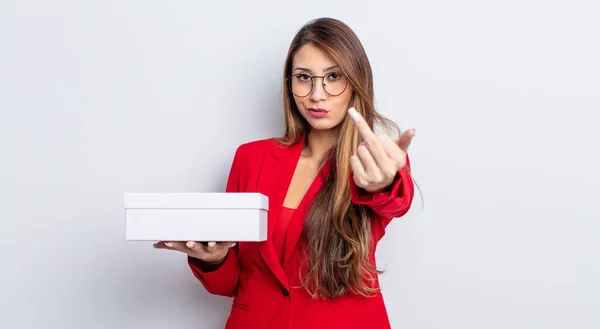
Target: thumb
(404,140)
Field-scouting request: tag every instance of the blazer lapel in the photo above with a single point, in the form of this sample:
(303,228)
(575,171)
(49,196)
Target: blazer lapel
(296,226)
(274,180)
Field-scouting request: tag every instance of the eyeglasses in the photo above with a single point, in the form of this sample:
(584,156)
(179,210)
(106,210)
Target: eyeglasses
(302,84)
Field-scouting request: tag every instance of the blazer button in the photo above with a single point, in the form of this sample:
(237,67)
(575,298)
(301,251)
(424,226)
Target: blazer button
(284,291)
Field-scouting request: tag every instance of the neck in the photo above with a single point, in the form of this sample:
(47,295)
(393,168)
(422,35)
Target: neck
(320,142)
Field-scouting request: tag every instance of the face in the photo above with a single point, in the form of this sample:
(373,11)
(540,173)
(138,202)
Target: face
(321,109)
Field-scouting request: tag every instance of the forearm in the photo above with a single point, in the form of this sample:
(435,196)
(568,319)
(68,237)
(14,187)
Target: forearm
(218,278)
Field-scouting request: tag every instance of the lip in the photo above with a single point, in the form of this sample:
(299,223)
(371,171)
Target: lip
(317,112)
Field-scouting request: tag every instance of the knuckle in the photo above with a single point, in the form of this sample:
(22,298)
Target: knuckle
(400,163)
(359,180)
(369,179)
(370,141)
(400,158)
(362,149)
(389,173)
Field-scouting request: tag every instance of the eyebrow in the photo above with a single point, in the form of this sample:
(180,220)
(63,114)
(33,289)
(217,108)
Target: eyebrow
(307,70)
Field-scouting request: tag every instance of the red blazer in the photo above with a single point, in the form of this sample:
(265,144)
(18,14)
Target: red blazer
(266,295)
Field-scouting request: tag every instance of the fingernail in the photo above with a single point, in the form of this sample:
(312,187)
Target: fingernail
(353,114)
(170,245)
(211,244)
(190,244)
(233,244)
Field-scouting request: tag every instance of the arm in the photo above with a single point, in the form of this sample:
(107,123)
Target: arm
(221,279)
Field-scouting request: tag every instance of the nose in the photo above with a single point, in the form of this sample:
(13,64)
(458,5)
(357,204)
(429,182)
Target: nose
(318,93)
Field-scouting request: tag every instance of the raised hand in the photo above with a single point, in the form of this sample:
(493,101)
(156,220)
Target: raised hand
(379,157)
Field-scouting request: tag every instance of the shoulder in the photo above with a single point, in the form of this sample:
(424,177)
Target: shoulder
(266,144)
(256,148)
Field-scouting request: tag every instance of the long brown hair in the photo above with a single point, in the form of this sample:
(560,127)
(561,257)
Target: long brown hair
(337,232)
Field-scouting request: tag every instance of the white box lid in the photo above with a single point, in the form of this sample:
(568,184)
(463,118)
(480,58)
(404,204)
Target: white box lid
(244,200)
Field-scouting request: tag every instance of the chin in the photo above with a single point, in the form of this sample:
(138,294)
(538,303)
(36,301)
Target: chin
(322,124)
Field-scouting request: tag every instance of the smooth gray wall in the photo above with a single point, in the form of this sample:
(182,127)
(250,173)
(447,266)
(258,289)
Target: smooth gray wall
(98,98)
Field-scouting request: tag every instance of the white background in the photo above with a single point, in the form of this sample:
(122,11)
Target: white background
(98,98)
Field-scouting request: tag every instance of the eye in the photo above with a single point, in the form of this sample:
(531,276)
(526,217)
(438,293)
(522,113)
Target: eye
(302,77)
(333,76)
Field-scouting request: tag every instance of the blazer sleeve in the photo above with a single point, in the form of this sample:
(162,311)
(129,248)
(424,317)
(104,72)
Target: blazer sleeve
(224,279)
(392,202)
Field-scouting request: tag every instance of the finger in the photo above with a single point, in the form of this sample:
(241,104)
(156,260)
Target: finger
(210,247)
(363,128)
(163,245)
(179,246)
(359,173)
(404,140)
(217,250)
(368,136)
(357,166)
(226,245)
(195,247)
(367,160)
(213,247)
(393,151)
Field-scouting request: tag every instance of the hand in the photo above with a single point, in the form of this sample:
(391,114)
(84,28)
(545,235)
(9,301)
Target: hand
(210,253)
(379,157)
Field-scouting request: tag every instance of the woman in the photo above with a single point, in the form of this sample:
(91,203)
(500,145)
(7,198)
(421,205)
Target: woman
(333,187)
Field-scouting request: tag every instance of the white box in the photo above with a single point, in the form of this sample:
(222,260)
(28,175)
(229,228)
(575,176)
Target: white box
(196,216)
